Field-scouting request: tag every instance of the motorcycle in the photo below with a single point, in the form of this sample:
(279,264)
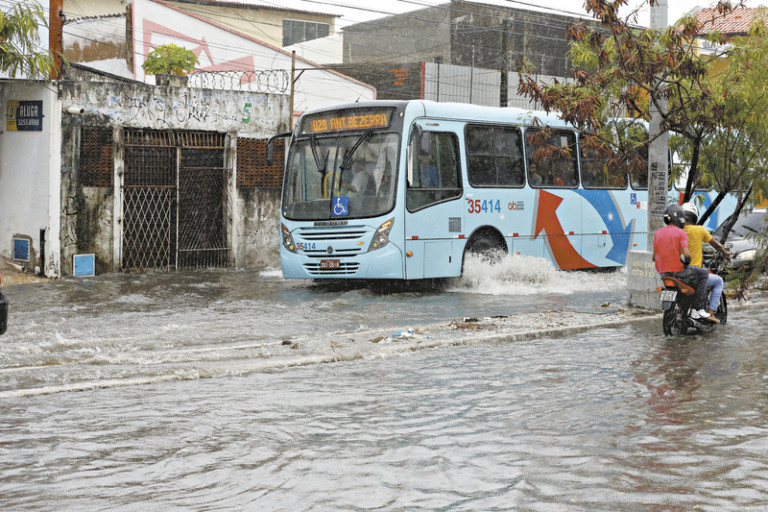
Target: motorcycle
(677,301)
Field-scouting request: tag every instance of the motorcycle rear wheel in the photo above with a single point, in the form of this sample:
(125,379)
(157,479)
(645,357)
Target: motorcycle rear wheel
(672,322)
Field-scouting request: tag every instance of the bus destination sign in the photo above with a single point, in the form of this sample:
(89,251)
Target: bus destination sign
(341,121)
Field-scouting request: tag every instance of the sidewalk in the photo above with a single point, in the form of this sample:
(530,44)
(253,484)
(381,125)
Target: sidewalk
(13,275)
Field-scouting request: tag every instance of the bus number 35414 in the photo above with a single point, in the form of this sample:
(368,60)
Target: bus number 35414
(483,206)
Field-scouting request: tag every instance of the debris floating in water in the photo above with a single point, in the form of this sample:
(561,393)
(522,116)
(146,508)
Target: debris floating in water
(403,335)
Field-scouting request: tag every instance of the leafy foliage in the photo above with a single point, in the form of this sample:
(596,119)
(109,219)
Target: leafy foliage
(717,112)
(18,37)
(170,59)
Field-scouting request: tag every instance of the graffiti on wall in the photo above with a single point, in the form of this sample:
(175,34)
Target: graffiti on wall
(69,229)
(190,109)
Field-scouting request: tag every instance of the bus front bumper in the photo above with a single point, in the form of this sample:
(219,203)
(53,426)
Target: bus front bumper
(385,263)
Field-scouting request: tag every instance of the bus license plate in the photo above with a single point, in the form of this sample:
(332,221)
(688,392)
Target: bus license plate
(330,264)
(668,296)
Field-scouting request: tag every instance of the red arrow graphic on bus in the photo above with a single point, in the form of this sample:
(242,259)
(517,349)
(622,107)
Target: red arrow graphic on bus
(546,219)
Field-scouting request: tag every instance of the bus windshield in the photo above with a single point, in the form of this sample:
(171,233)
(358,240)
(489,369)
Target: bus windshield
(359,168)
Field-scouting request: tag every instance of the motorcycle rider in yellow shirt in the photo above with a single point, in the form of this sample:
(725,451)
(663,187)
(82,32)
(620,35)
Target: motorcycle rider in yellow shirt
(697,235)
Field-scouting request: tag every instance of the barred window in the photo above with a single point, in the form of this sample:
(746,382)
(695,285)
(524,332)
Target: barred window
(252,167)
(96,161)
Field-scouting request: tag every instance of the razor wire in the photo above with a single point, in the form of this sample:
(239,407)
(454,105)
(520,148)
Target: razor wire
(268,81)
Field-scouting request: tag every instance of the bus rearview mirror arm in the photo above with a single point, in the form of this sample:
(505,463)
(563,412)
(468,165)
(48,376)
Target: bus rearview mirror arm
(271,145)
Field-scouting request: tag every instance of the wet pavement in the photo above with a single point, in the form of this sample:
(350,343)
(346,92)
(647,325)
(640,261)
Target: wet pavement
(516,388)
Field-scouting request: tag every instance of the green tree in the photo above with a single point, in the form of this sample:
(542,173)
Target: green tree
(170,59)
(718,117)
(734,157)
(620,70)
(18,37)
(730,158)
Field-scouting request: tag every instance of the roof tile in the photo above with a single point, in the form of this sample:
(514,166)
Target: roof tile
(734,23)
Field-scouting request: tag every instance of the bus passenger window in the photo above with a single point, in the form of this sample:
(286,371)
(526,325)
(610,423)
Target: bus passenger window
(638,172)
(600,167)
(494,156)
(434,172)
(633,146)
(638,167)
(551,156)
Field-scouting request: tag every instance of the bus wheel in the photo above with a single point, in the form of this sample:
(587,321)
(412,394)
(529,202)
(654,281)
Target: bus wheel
(488,244)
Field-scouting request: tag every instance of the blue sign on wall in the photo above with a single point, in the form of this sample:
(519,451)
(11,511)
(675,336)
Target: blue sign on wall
(20,249)
(24,116)
(84,265)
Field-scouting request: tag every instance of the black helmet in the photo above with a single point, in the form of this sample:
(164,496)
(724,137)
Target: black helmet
(691,213)
(674,215)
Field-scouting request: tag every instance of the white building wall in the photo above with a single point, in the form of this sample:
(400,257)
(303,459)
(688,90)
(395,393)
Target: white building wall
(220,49)
(84,8)
(30,177)
(325,50)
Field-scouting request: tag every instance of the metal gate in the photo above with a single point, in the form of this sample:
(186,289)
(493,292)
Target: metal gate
(173,196)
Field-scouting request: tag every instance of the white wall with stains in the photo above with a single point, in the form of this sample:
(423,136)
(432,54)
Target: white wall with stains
(29,197)
(90,216)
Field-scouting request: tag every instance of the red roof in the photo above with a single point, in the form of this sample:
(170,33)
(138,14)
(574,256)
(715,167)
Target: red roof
(735,22)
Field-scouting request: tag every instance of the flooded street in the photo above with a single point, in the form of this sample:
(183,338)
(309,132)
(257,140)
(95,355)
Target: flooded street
(237,390)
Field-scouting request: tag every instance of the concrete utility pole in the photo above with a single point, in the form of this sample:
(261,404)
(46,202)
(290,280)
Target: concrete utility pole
(642,278)
(658,151)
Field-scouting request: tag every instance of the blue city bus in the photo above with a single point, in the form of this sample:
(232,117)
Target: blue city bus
(406,189)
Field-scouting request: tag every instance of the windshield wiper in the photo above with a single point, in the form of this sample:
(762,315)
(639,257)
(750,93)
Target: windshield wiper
(346,162)
(750,228)
(321,163)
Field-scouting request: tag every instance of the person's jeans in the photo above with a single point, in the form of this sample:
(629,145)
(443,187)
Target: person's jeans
(697,278)
(715,282)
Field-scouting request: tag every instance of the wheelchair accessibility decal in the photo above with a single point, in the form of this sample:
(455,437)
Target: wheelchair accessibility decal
(340,206)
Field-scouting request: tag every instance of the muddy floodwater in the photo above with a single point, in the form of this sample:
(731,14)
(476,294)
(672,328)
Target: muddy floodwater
(237,390)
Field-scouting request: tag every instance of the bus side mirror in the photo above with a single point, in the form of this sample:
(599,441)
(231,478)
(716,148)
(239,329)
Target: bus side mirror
(271,146)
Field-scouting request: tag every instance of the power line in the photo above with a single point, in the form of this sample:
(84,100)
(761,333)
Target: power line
(535,19)
(467,29)
(546,23)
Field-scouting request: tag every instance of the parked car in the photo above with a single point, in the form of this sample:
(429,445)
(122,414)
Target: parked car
(3,310)
(748,235)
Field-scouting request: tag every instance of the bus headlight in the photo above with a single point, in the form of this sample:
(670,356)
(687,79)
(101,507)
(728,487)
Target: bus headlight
(288,239)
(381,237)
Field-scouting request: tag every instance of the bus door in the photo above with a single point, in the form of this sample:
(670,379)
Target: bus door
(433,191)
